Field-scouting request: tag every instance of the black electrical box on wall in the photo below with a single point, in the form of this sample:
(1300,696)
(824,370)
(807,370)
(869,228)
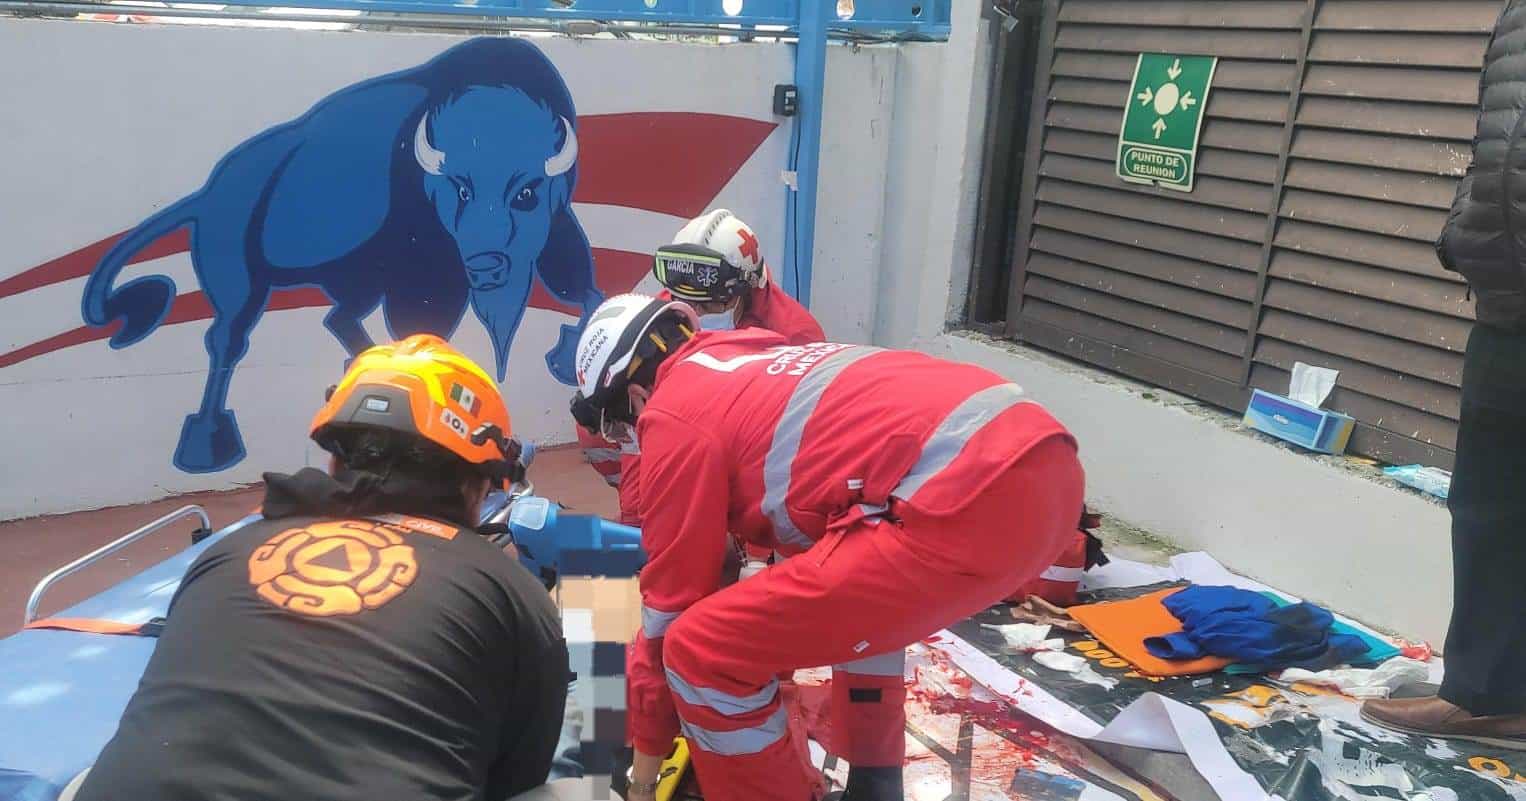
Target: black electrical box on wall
(786,99)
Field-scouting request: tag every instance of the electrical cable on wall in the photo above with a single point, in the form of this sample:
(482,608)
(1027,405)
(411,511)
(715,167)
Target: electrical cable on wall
(791,209)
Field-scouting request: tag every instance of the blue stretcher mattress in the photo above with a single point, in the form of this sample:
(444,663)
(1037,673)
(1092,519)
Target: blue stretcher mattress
(62,692)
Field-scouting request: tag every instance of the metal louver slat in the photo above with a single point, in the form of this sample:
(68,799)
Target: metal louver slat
(1159,294)
(1374,183)
(1222,14)
(1170,268)
(1210,191)
(1465,16)
(1257,44)
(1255,167)
(1363,247)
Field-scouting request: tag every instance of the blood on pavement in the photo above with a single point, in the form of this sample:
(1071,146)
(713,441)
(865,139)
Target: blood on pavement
(1003,740)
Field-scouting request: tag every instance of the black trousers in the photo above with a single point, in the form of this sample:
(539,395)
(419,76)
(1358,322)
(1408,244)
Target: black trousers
(1486,642)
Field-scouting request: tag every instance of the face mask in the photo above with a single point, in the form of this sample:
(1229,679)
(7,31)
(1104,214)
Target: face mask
(724,321)
(618,432)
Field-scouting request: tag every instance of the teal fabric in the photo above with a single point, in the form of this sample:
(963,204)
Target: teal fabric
(1378,651)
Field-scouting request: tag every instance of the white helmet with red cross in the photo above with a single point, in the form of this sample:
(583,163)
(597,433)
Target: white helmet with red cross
(714,258)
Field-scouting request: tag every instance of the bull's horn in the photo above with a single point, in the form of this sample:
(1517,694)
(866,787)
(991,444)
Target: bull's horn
(424,153)
(567,156)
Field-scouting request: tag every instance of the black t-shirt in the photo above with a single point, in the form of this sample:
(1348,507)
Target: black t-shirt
(378,659)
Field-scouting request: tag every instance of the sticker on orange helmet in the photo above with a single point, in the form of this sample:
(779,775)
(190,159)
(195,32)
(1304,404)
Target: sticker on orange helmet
(466,398)
(333,568)
(454,422)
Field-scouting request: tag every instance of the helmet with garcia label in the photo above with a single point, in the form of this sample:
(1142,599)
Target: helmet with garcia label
(714,258)
(424,387)
(624,333)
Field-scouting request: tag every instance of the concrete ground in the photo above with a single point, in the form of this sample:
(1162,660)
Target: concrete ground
(1121,540)
(36,546)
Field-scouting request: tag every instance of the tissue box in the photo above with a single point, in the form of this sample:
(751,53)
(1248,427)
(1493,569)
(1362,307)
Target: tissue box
(1299,423)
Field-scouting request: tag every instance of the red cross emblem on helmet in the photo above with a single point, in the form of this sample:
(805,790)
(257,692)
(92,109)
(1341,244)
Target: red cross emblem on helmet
(749,246)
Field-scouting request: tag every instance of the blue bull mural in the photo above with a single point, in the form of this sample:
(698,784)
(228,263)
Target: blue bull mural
(417,192)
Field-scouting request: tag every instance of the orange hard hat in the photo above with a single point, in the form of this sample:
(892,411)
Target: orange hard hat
(423,386)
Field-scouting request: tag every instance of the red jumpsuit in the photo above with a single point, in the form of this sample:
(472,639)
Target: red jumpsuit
(768,307)
(910,491)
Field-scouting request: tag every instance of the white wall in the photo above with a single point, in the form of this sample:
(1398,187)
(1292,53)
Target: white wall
(932,191)
(909,198)
(107,123)
(857,128)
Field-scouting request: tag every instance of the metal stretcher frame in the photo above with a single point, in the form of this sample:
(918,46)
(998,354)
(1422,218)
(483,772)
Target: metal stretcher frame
(35,599)
(62,690)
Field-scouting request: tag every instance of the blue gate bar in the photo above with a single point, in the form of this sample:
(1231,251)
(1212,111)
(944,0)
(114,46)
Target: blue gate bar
(805,147)
(923,18)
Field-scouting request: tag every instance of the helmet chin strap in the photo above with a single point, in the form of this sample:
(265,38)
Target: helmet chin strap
(509,469)
(639,395)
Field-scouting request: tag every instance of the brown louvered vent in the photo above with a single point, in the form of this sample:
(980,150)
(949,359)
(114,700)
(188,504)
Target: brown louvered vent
(1308,236)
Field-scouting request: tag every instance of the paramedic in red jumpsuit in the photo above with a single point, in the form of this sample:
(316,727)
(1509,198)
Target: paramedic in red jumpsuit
(760,303)
(909,491)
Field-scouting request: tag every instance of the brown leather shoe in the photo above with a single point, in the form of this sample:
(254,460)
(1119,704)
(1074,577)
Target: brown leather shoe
(1434,717)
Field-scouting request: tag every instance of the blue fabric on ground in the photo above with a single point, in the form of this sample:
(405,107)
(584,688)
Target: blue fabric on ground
(1199,602)
(1378,650)
(1250,628)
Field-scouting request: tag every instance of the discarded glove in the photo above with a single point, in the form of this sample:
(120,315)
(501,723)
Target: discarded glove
(1039,611)
(1376,682)
(1065,663)
(1027,637)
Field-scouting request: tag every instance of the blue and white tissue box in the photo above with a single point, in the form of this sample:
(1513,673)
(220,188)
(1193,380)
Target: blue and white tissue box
(1307,426)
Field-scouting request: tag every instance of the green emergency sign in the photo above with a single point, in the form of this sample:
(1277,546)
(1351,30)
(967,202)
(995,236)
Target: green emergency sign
(1162,118)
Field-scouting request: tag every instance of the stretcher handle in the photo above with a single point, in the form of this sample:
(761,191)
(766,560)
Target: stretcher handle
(106,550)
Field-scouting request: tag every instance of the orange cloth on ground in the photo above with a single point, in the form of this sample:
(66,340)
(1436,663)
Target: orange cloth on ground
(1123,626)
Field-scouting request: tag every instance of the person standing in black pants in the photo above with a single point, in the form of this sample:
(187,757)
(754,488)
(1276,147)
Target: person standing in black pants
(1483,697)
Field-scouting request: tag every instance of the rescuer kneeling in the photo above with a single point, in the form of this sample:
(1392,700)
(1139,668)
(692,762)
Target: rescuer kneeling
(361,640)
(908,491)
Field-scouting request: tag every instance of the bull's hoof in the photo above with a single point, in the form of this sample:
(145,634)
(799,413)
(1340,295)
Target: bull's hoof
(561,358)
(209,443)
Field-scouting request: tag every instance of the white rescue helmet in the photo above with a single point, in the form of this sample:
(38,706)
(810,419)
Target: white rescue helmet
(618,336)
(714,258)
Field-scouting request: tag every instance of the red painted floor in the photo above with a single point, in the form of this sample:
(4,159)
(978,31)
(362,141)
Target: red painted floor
(36,546)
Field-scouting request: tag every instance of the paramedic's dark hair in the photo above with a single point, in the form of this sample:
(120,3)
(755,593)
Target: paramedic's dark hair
(395,469)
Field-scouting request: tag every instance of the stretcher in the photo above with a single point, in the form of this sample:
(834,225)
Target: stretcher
(62,690)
